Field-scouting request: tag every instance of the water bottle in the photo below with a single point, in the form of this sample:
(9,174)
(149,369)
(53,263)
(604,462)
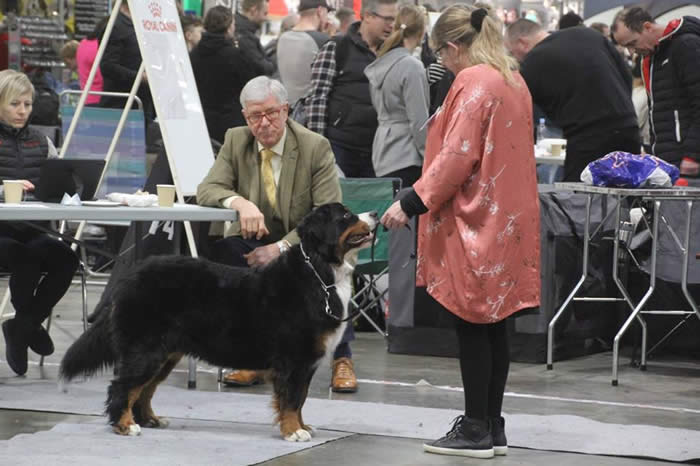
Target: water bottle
(541,131)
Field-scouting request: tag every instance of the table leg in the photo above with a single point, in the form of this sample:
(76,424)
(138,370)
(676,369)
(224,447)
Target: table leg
(565,304)
(616,255)
(192,361)
(642,302)
(138,236)
(83,290)
(686,257)
(192,373)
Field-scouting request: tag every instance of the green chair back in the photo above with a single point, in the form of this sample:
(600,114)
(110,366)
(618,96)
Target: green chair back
(367,194)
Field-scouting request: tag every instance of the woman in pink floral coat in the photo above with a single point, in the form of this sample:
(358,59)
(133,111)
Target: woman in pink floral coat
(479,237)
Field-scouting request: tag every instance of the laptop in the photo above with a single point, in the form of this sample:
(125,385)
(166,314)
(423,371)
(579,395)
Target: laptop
(71,176)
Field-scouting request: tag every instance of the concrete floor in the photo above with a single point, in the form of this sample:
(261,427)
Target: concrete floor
(667,395)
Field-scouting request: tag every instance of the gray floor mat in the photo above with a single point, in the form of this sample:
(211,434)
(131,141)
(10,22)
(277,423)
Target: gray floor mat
(555,432)
(184,442)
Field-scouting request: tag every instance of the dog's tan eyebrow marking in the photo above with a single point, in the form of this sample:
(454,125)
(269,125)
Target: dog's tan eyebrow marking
(359,228)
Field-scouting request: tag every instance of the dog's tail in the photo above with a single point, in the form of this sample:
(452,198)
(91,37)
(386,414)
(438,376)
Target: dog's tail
(91,352)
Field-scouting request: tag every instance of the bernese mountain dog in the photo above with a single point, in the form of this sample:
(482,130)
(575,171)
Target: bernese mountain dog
(282,318)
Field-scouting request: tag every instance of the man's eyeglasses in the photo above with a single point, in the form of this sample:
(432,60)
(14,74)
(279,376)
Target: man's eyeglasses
(387,19)
(271,115)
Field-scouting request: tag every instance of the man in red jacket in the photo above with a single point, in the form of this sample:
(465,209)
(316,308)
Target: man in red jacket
(671,54)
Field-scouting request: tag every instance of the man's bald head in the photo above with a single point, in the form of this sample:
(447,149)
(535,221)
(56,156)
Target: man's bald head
(522,36)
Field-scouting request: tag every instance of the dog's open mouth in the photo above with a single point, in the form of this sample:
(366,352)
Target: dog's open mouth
(360,238)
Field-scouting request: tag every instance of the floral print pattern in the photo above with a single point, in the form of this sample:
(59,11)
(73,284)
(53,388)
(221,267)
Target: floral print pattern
(479,244)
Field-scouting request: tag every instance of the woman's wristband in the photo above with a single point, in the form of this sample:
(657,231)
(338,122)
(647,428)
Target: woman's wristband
(412,204)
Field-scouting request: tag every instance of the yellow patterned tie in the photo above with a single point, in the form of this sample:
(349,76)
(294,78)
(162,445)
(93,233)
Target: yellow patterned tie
(268,177)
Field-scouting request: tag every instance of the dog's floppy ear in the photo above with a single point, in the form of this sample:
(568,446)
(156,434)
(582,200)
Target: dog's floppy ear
(318,234)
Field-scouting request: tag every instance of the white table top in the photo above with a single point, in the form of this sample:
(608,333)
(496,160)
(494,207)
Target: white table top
(676,192)
(49,211)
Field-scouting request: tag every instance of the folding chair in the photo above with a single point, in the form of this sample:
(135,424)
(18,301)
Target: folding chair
(363,195)
(91,140)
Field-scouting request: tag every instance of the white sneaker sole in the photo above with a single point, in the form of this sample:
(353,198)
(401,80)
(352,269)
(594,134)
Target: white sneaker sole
(500,451)
(459,452)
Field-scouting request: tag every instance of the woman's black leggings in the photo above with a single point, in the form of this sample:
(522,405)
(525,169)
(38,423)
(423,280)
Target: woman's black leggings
(42,270)
(484,360)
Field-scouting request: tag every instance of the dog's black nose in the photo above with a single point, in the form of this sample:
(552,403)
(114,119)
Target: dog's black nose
(374,214)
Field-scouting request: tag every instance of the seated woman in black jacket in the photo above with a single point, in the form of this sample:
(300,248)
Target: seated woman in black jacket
(42,267)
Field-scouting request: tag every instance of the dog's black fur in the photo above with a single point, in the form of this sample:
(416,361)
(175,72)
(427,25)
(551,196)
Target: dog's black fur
(271,318)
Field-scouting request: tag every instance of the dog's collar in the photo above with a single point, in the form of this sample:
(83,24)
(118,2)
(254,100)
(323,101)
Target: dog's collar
(325,287)
(307,259)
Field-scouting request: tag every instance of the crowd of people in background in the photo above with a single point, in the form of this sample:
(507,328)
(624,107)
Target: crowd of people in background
(448,110)
(326,61)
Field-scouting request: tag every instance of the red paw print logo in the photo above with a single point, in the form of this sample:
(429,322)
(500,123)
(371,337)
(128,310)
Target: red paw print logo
(156,9)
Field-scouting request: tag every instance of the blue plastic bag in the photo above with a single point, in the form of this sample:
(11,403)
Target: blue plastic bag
(625,170)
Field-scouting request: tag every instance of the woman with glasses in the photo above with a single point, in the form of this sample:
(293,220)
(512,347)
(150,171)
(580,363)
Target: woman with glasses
(478,237)
(399,91)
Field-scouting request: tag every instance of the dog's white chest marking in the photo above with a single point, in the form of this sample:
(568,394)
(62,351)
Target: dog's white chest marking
(343,287)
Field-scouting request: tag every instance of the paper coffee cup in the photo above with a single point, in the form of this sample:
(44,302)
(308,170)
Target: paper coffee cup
(556,150)
(13,191)
(166,195)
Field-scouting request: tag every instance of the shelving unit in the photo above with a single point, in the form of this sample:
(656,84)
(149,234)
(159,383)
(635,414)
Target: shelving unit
(43,51)
(87,14)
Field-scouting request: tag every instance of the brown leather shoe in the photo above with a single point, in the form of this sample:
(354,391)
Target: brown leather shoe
(344,379)
(243,378)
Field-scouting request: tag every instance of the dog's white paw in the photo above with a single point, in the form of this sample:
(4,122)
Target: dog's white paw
(134,429)
(310,430)
(299,435)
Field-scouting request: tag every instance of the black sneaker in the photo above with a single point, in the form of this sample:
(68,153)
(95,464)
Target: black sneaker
(40,341)
(498,433)
(468,437)
(15,345)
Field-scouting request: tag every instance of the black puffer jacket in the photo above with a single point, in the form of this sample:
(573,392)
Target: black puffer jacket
(220,72)
(352,119)
(249,44)
(672,74)
(21,153)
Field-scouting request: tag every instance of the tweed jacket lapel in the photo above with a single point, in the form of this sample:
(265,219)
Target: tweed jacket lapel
(252,164)
(285,185)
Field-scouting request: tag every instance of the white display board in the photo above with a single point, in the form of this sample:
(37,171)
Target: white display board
(174,91)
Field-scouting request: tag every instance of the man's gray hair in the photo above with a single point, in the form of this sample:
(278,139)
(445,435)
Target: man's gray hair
(262,87)
(522,28)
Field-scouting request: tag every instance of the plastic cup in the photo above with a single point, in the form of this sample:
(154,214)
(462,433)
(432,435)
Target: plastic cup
(166,195)
(14,189)
(556,150)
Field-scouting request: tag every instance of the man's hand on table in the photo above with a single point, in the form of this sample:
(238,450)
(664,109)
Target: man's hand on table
(251,219)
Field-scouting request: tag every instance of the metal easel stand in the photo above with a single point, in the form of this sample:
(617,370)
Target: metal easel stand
(192,374)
